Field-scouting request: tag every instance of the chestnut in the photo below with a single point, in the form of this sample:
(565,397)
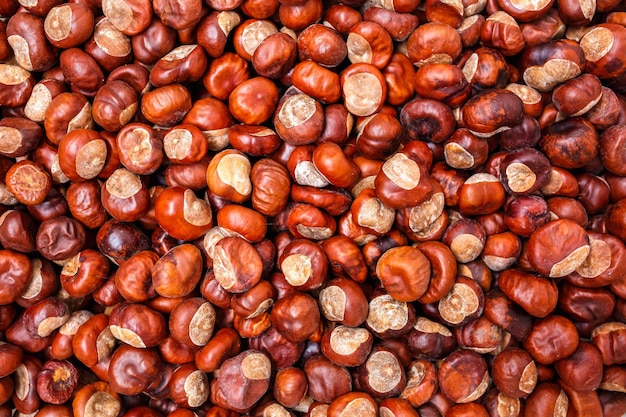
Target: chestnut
(369,42)
(464,302)
(93,342)
(213,30)
(562,335)
(84,273)
(124,196)
(444,82)
(85,204)
(606,37)
(403,180)
(481,335)
(57,381)
(302,169)
(67,111)
(433,42)
(25,397)
(32,51)
(363,88)
(179,15)
(298,119)
(464,150)
(577,96)
(296,316)
(228,175)
(237,264)
(422,382)
(254,100)
(582,370)
(502,32)
(388,317)
(270,186)
(382,374)
(501,250)
(114,105)
(539,61)
(342,17)
(307,221)
(14,356)
(108,46)
(481,114)
(327,158)
(400,283)
(304,264)
(20,136)
(481,194)
(253,140)
(153,43)
(557,248)
(61,347)
(378,135)
(597,272)
(466,238)
(68,25)
(166,105)
(606,112)
(463,376)
(60,238)
(183,64)
(322,45)
(571,143)
(98,393)
(137,325)
(610,152)
(242,221)
(82,154)
(255,301)
(242,380)
(399,74)
(183,261)
(524,171)
(514,372)
(327,381)
(290,386)
(225,344)
(189,387)
(344,302)
(607,338)
(427,119)
(181,214)
(248,36)
(282,352)
(17,231)
(537,295)
(347,346)
(298,16)
(224,73)
(132,369)
(82,72)
(28,182)
(275,56)
(16,85)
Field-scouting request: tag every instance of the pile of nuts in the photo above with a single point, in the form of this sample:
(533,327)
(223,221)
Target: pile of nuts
(322,208)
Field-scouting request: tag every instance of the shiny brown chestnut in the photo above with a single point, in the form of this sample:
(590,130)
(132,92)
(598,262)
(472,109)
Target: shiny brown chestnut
(433,42)
(344,302)
(242,381)
(183,261)
(463,376)
(567,244)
